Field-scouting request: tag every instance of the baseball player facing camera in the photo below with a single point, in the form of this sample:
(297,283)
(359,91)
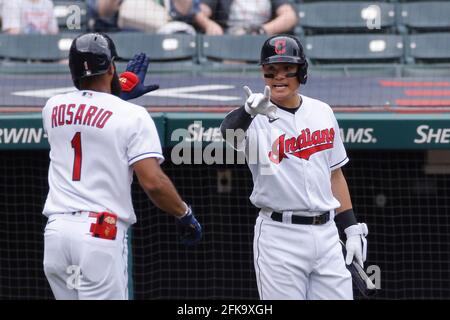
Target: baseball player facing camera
(97,140)
(305,202)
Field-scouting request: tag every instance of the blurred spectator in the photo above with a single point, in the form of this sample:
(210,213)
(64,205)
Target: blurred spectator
(162,16)
(29,16)
(1,5)
(246,17)
(103,14)
(159,15)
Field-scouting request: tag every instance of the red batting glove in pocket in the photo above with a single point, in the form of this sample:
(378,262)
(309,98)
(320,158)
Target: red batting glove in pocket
(128,80)
(105,227)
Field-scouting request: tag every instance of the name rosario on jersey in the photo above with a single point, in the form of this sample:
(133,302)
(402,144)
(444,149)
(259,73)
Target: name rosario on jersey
(305,145)
(71,114)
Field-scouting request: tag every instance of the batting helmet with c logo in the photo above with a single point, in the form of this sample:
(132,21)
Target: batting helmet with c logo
(285,49)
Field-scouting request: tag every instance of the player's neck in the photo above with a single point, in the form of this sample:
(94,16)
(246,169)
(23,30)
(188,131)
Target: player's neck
(292,102)
(100,83)
(98,87)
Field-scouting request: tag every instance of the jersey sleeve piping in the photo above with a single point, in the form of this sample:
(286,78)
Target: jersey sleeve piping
(340,163)
(141,156)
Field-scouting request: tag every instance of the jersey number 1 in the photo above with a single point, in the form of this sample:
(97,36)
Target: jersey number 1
(76,145)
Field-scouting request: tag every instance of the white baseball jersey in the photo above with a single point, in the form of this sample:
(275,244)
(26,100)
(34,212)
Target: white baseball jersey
(291,160)
(94,140)
(296,155)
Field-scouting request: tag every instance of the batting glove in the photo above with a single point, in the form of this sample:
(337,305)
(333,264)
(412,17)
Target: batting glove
(258,103)
(189,229)
(132,80)
(356,244)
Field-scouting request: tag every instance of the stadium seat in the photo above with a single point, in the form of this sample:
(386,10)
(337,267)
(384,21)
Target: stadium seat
(429,47)
(438,70)
(71,15)
(339,16)
(229,47)
(425,16)
(175,52)
(229,52)
(44,48)
(312,1)
(356,69)
(34,54)
(355,48)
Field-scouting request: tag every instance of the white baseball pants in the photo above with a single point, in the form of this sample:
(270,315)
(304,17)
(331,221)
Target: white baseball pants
(81,267)
(299,262)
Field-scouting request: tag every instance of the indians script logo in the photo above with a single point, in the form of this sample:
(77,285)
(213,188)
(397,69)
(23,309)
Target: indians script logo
(280,46)
(305,145)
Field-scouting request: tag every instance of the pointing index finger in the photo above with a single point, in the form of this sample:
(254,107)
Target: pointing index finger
(267,92)
(248,92)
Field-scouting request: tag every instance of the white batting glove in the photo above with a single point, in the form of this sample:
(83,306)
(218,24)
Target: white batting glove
(356,244)
(258,103)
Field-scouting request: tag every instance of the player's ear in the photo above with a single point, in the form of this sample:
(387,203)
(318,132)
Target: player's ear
(112,69)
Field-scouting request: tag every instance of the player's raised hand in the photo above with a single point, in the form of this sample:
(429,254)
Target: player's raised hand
(189,229)
(259,103)
(132,80)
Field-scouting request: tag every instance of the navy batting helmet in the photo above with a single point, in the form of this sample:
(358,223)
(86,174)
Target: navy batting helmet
(285,49)
(90,54)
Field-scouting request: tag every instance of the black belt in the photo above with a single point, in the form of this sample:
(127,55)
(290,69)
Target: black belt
(316,220)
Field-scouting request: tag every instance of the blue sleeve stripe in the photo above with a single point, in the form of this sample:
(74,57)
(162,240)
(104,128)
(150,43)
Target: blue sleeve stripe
(142,154)
(339,163)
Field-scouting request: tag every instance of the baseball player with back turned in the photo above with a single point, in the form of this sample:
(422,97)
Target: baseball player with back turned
(305,200)
(97,140)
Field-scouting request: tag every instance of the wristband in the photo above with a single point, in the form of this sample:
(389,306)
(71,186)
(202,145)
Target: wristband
(345,219)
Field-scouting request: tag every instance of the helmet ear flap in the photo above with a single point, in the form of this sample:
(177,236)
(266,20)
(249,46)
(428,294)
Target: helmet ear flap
(76,84)
(302,73)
